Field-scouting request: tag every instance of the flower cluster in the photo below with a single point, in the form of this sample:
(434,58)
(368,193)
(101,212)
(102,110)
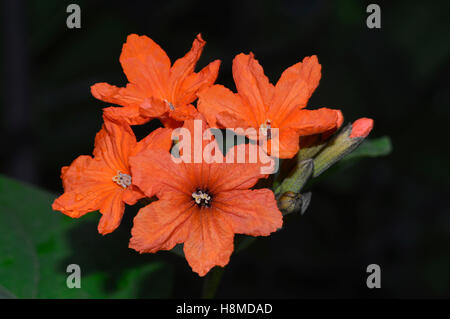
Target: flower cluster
(201,205)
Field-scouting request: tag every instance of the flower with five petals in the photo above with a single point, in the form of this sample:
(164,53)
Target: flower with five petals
(260,105)
(201,205)
(104,182)
(156,89)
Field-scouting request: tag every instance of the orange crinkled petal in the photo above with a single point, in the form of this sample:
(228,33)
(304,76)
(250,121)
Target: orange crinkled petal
(130,97)
(250,212)
(113,144)
(252,85)
(218,99)
(306,122)
(162,224)
(295,87)
(112,211)
(184,82)
(146,65)
(196,82)
(210,241)
(86,184)
(154,171)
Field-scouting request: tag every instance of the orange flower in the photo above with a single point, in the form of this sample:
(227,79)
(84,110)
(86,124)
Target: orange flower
(104,182)
(201,205)
(163,91)
(315,139)
(259,104)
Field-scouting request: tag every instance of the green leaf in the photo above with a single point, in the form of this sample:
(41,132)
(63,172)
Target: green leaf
(381,146)
(37,244)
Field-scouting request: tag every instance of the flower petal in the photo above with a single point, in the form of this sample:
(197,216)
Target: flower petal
(231,121)
(155,170)
(169,122)
(131,95)
(153,107)
(83,200)
(161,138)
(105,92)
(162,224)
(308,122)
(146,65)
(242,168)
(74,175)
(112,212)
(196,82)
(132,194)
(288,143)
(252,85)
(294,88)
(86,185)
(183,112)
(129,114)
(339,120)
(184,82)
(210,241)
(250,212)
(184,66)
(196,128)
(218,99)
(113,144)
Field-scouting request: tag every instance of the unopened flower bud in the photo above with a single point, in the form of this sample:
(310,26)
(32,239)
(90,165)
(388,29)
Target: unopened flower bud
(291,202)
(343,143)
(297,178)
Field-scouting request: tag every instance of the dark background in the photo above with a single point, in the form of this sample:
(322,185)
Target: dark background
(392,211)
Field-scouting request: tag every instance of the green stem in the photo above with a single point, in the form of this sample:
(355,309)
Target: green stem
(211,282)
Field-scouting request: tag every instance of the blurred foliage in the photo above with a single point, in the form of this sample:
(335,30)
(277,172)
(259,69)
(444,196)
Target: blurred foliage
(371,148)
(37,244)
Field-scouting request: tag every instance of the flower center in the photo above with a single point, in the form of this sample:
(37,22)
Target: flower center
(171,107)
(123,180)
(202,198)
(266,129)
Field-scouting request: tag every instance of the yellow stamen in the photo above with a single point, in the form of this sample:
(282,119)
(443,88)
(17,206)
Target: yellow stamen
(123,180)
(171,107)
(201,198)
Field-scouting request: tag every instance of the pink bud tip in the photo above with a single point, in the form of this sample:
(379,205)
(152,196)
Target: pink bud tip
(361,127)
